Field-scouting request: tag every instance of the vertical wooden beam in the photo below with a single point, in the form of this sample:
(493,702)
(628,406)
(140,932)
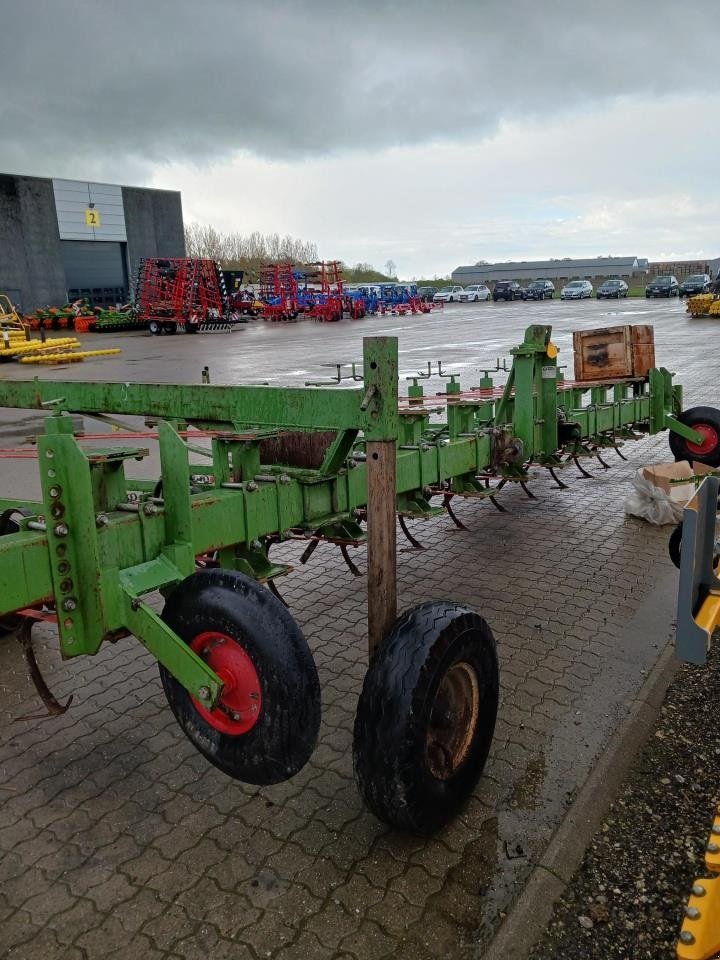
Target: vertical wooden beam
(380,373)
(382,544)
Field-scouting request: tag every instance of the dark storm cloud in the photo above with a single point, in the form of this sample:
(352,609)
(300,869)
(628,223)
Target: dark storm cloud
(195,79)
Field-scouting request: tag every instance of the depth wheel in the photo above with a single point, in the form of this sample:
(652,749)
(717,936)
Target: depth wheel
(706,420)
(155,328)
(265,726)
(426,716)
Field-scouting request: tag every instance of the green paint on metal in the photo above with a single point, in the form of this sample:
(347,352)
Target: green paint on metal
(110,539)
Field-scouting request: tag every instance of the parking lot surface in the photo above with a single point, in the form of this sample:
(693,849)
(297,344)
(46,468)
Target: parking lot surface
(117,839)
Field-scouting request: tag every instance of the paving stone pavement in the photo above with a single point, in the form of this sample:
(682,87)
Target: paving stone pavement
(118,840)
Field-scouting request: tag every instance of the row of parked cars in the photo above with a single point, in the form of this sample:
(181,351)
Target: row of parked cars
(613,288)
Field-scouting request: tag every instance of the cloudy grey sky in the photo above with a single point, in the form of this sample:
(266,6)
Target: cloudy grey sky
(428,133)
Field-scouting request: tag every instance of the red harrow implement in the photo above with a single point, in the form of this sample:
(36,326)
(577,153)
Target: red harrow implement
(181,294)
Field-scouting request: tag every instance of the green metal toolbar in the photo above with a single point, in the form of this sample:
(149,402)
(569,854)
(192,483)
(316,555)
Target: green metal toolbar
(91,551)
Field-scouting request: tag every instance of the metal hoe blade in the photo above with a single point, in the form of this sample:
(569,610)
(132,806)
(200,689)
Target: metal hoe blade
(53,706)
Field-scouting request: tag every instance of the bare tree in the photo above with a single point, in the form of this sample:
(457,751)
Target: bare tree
(391,269)
(246,252)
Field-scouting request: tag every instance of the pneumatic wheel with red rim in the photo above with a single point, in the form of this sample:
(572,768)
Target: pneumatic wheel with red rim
(264,727)
(706,420)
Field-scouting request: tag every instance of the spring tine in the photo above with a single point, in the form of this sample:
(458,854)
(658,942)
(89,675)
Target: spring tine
(528,492)
(309,551)
(606,466)
(498,506)
(346,557)
(619,453)
(451,513)
(274,590)
(501,484)
(558,481)
(53,707)
(403,526)
(583,471)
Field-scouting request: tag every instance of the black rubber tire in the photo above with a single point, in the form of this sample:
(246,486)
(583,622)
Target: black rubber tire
(285,735)
(155,328)
(675,543)
(390,746)
(692,417)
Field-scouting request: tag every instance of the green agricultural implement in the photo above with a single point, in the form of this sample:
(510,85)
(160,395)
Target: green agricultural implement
(246,467)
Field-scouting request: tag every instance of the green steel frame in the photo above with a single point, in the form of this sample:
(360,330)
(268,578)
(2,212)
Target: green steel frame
(93,552)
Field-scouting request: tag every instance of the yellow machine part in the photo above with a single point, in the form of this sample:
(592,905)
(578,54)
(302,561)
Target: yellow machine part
(9,318)
(68,357)
(37,346)
(700,932)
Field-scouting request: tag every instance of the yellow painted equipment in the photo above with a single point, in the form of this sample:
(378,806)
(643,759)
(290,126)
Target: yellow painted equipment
(65,357)
(698,617)
(9,318)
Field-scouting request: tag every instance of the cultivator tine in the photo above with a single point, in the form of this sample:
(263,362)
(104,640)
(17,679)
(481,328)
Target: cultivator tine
(605,466)
(583,471)
(528,492)
(411,539)
(619,452)
(451,513)
(53,706)
(310,550)
(274,590)
(556,478)
(346,557)
(498,506)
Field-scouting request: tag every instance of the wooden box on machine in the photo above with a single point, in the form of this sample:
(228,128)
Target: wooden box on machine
(612,353)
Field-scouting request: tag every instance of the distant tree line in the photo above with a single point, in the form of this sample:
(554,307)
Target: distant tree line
(236,251)
(250,252)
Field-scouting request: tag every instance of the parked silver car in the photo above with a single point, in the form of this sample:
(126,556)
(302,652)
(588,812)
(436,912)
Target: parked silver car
(577,290)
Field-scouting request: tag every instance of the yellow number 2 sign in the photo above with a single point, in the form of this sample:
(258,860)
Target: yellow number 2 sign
(92,218)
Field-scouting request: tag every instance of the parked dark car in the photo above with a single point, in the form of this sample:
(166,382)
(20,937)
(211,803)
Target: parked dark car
(539,290)
(662,287)
(698,283)
(612,288)
(427,293)
(507,290)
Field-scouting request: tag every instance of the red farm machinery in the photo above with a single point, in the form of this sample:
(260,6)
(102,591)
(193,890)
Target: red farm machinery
(279,290)
(182,294)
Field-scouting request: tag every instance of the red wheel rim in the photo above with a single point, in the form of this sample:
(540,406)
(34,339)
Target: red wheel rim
(708,444)
(238,709)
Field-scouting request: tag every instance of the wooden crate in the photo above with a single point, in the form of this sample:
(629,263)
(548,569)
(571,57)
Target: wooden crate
(612,353)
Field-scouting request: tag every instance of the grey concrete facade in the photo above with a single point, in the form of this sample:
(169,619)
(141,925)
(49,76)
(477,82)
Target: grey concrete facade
(31,268)
(32,271)
(154,224)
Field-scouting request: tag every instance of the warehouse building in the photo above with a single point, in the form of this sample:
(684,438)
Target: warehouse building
(566,269)
(65,239)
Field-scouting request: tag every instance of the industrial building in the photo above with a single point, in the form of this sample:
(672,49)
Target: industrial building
(565,269)
(65,239)
(637,269)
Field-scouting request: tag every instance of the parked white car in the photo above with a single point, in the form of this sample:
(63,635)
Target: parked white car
(475,292)
(577,290)
(448,295)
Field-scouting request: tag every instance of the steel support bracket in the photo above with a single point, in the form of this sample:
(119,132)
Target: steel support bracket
(165,645)
(687,433)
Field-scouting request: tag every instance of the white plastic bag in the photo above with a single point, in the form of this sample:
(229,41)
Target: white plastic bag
(651,503)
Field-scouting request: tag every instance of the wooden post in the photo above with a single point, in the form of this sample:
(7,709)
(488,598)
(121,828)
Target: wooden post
(381,544)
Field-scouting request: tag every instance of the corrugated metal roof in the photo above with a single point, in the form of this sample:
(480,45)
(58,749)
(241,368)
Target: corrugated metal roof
(575,265)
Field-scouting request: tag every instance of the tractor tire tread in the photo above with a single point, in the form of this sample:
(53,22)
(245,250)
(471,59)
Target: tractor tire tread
(387,766)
